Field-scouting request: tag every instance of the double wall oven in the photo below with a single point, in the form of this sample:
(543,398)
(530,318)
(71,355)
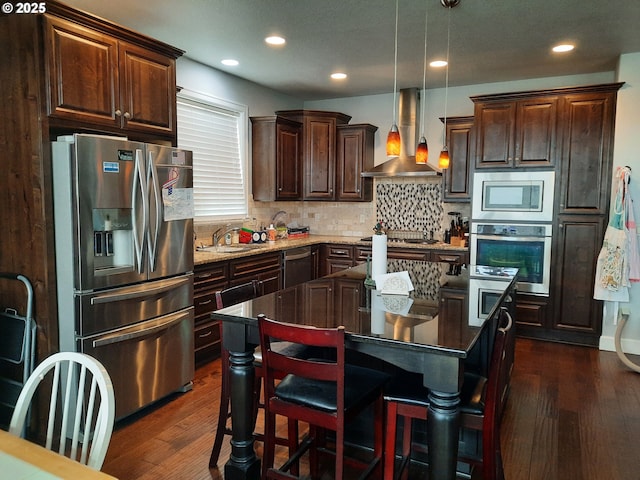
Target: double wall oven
(511,226)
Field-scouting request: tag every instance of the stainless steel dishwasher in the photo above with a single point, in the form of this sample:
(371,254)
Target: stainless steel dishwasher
(297,266)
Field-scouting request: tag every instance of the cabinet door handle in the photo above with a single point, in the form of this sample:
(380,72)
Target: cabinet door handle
(205,335)
(203,276)
(206,302)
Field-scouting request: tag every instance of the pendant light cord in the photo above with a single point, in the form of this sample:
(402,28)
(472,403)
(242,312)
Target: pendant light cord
(446,81)
(424,72)
(395,67)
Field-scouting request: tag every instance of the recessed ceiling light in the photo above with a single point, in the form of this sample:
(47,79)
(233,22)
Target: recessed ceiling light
(338,76)
(230,62)
(563,48)
(275,40)
(438,63)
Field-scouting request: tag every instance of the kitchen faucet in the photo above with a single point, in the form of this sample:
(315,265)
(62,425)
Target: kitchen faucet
(217,235)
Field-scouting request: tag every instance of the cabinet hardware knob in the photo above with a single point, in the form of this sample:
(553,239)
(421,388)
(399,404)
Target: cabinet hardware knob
(118,112)
(127,115)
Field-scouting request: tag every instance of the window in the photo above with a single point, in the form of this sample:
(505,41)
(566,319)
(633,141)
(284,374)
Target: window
(215,130)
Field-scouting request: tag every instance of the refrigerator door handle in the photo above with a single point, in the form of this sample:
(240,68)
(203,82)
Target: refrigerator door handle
(146,291)
(155,191)
(139,192)
(141,331)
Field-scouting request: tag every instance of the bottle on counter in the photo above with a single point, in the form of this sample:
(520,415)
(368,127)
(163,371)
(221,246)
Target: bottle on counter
(271,233)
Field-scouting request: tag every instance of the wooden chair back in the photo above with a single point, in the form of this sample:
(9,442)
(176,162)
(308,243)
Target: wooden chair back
(495,398)
(237,294)
(276,364)
(314,391)
(86,412)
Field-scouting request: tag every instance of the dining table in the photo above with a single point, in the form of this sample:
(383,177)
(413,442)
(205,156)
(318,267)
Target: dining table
(422,317)
(21,459)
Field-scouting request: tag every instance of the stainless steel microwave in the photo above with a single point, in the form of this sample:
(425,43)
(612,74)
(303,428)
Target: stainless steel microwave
(509,196)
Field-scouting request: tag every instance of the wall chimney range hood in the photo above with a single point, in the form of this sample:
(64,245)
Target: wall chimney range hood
(405,165)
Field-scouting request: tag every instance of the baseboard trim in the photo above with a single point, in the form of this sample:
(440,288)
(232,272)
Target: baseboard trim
(630,346)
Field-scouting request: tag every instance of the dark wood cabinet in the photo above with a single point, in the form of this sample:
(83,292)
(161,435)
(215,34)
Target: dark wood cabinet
(266,268)
(336,258)
(586,165)
(532,313)
(355,147)
(96,78)
(211,277)
(348,299)
(456,179)
(60,73)
(453,308)
(583,189)
(515,130)
(276,145)
(318,297)
(318,150)
(577,316)
(571,131)
(207,280)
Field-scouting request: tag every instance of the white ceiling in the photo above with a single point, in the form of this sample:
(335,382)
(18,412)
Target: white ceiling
(491,40)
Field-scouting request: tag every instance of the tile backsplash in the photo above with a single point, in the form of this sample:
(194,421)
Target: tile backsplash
(402,203)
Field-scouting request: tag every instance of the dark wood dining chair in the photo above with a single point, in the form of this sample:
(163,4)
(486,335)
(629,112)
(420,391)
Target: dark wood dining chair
(482,402)
(224,298)
(322,393)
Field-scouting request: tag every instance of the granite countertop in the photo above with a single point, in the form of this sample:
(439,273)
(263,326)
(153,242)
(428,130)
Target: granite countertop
(200,257)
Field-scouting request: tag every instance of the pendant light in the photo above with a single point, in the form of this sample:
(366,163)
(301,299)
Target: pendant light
(422,151)
(393,139)
(443,161)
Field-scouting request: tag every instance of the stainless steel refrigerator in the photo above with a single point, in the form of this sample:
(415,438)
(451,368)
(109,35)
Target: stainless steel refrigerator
(124,262)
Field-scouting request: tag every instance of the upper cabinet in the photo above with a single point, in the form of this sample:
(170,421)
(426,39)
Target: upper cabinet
(105,77)
(588,119)
(311,155)
(456,178)
(276,146)
(354,155)
(515,130)
(318,150)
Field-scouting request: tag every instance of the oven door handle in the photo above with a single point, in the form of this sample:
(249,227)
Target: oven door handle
(509,238)
(141,331)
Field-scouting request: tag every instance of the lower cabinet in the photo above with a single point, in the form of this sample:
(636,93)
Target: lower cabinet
(577,316)
(266,268)
(338,257)
(208,279)
(335,258)
(211,277)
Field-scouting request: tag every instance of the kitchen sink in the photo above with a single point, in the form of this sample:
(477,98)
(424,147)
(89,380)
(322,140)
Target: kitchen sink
(243,247)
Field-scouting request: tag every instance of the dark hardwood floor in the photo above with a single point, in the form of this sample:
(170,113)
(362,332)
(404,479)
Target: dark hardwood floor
(573,414)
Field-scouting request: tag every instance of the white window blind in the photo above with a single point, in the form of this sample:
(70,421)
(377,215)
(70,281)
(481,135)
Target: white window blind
(215,131)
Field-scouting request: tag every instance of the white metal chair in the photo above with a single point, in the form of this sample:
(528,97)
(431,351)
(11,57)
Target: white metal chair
(77,379)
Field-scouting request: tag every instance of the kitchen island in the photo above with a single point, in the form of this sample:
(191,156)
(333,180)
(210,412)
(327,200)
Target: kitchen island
(447,320)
